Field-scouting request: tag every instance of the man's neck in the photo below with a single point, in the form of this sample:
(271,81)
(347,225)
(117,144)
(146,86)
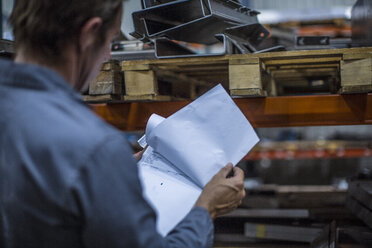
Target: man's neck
(67,69)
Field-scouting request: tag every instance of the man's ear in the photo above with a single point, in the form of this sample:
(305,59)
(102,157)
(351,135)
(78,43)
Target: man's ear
(89,33)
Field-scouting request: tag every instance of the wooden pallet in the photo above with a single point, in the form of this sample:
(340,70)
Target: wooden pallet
(344,70)
(148,80)
(268,74)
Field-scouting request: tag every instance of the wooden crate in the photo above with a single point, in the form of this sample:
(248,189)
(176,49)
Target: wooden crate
(267,74)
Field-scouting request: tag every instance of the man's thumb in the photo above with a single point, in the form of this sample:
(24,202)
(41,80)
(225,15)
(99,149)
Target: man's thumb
(225,171)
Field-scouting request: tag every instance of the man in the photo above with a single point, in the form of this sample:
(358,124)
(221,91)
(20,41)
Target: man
(67,179)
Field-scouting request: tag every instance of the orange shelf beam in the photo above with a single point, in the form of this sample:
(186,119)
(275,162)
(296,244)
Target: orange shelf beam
(308,154)
(285,111)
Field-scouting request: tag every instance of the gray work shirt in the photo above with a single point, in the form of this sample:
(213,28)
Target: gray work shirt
(67,179)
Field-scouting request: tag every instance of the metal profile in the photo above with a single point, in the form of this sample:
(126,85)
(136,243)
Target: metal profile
(202,18)
(198,21)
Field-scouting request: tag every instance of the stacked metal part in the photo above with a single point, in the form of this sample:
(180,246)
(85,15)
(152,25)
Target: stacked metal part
(361,23)
(198,21)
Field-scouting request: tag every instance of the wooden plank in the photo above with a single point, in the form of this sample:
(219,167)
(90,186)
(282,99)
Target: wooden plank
(269,84)
(108,98)
(299,61)
(107,82)
(245,74)
(225,59)
(193,68)
(148,97)
(312,53)
(245,79)
(303,66)
(357,55)
(304,73)
(111,65)
(247,92)
(355,89)
(103,88)
(205,73)
(136,67)
(141,82)
(109,76)
(356,75)
(244,61)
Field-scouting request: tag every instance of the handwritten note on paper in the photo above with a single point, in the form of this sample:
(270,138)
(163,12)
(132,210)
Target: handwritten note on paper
(187,149)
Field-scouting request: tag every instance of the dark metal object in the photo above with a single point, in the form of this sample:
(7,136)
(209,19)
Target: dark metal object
(133,55)
(191,20)
(6,48)
(165,48)
(1,19)
(313,40)
(361,23)
(362,192)
(360,211)
(152,3)
(253,34)
(361,235)
(198,21)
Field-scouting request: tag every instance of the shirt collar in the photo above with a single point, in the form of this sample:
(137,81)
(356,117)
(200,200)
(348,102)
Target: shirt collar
(27,75)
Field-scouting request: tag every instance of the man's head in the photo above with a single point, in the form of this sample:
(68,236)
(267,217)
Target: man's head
(45,28)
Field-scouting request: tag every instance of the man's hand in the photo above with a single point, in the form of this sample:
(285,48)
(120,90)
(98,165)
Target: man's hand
(223,194)
(139,154)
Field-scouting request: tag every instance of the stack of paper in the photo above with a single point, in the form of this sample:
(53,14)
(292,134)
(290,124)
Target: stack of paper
(187,149)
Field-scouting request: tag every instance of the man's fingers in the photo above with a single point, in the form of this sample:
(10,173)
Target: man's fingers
(224,172)
(243,194)
(139,154)
(238,174)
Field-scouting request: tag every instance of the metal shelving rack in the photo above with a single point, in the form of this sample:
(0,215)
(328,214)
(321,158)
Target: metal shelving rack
(284,111)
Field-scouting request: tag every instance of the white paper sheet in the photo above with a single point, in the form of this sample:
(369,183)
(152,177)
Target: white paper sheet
(153,121)
(170,192)
(204,136)
(187,149)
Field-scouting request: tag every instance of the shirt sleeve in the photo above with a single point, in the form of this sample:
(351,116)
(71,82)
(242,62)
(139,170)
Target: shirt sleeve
(114,212)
